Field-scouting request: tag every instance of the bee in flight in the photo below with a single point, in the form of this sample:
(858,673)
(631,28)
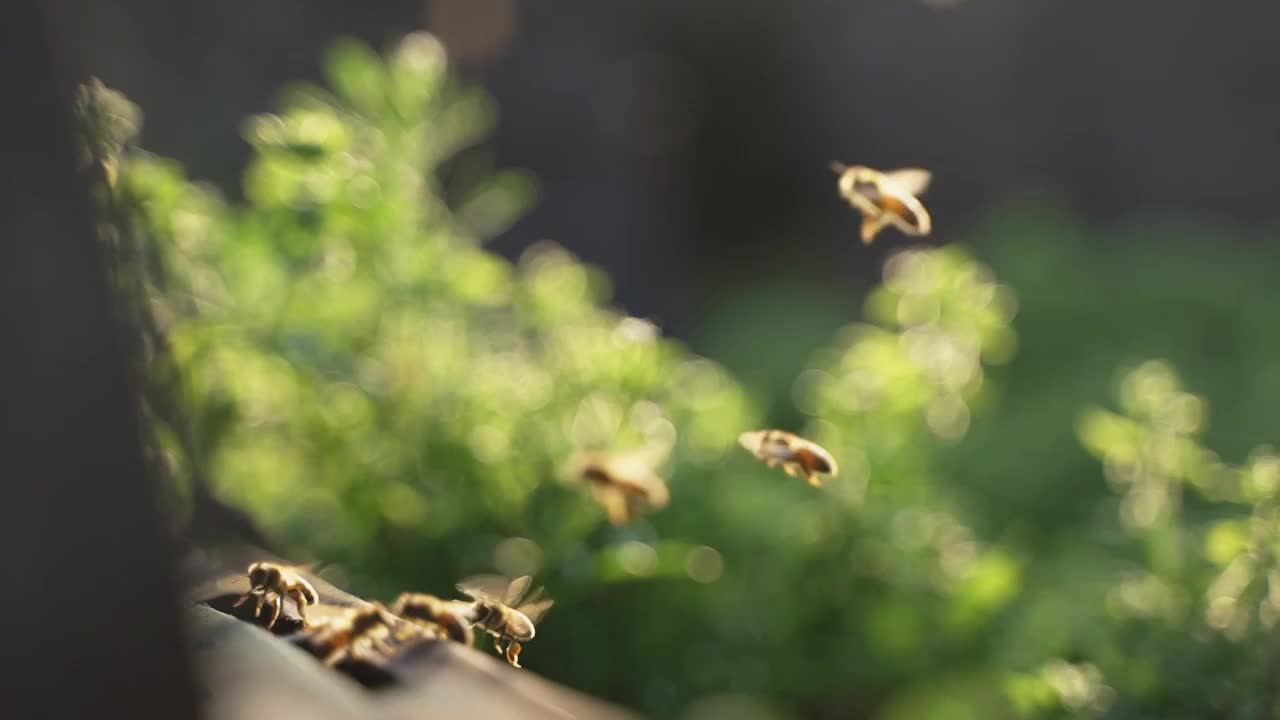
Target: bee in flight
(886,198)
(347,636)
(278,581)
(506,610)
(795,455)
(624,484)
(450,619)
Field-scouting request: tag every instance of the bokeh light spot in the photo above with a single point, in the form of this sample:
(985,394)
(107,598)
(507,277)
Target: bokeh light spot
(517,556)
(637,558)
(704,564)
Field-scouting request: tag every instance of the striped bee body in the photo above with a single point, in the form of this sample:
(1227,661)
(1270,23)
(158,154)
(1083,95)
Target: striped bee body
(886,198)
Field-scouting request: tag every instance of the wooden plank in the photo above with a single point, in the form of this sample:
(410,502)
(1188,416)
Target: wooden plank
(444,679)
(421,678)
(246,673)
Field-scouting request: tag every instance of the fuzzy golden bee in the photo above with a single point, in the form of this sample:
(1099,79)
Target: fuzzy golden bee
(268,579)
(350,635)
(795,455)
(449,619)
(886,198)
(506,610)
(624,484)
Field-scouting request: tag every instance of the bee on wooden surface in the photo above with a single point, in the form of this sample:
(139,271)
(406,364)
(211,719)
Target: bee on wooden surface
(624,484)
(347,636)
(268,579)
(449,619)
(886,198)
(795,455)
(502,609)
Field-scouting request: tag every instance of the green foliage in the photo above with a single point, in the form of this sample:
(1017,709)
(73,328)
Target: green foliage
(108,121)
(1208,576)
(339,355)
(366,378)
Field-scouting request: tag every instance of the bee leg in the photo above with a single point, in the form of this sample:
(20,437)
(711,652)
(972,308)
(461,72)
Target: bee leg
(302,606)
(497,645)
(384,647)
(871,226)
(359,649)
(814,480)
(353,651)
(245,598)
(277,604)
(335,657)
(513,653)
(257,607)
(415,630)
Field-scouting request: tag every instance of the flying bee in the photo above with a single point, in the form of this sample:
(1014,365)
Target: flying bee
(795,455)
(346,636)
(451,618)
(278,581)
(886,198)
(502,609)
(624,484)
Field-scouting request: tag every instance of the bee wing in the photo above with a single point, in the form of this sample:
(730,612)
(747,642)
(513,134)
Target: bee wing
(516,590)
(912,181)
(324,570)
(534,597)
(635,475)
(581,462)
(484,587)
(537,607)
(751,441)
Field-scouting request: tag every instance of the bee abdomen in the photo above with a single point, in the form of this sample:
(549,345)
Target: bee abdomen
(456,629)
(899,208)
(814,461)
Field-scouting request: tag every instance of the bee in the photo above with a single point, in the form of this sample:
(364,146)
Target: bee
(451,619)
(624,484)
(278,581)
(886,198)
(345,637)
(502,609)
(792,453)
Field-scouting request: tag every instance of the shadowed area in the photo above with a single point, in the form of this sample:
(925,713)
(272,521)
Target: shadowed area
(80,536)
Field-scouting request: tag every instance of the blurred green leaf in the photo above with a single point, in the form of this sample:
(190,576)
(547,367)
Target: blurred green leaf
(359,372)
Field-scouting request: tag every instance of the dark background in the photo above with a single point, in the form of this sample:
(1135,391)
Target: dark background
(684,145)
